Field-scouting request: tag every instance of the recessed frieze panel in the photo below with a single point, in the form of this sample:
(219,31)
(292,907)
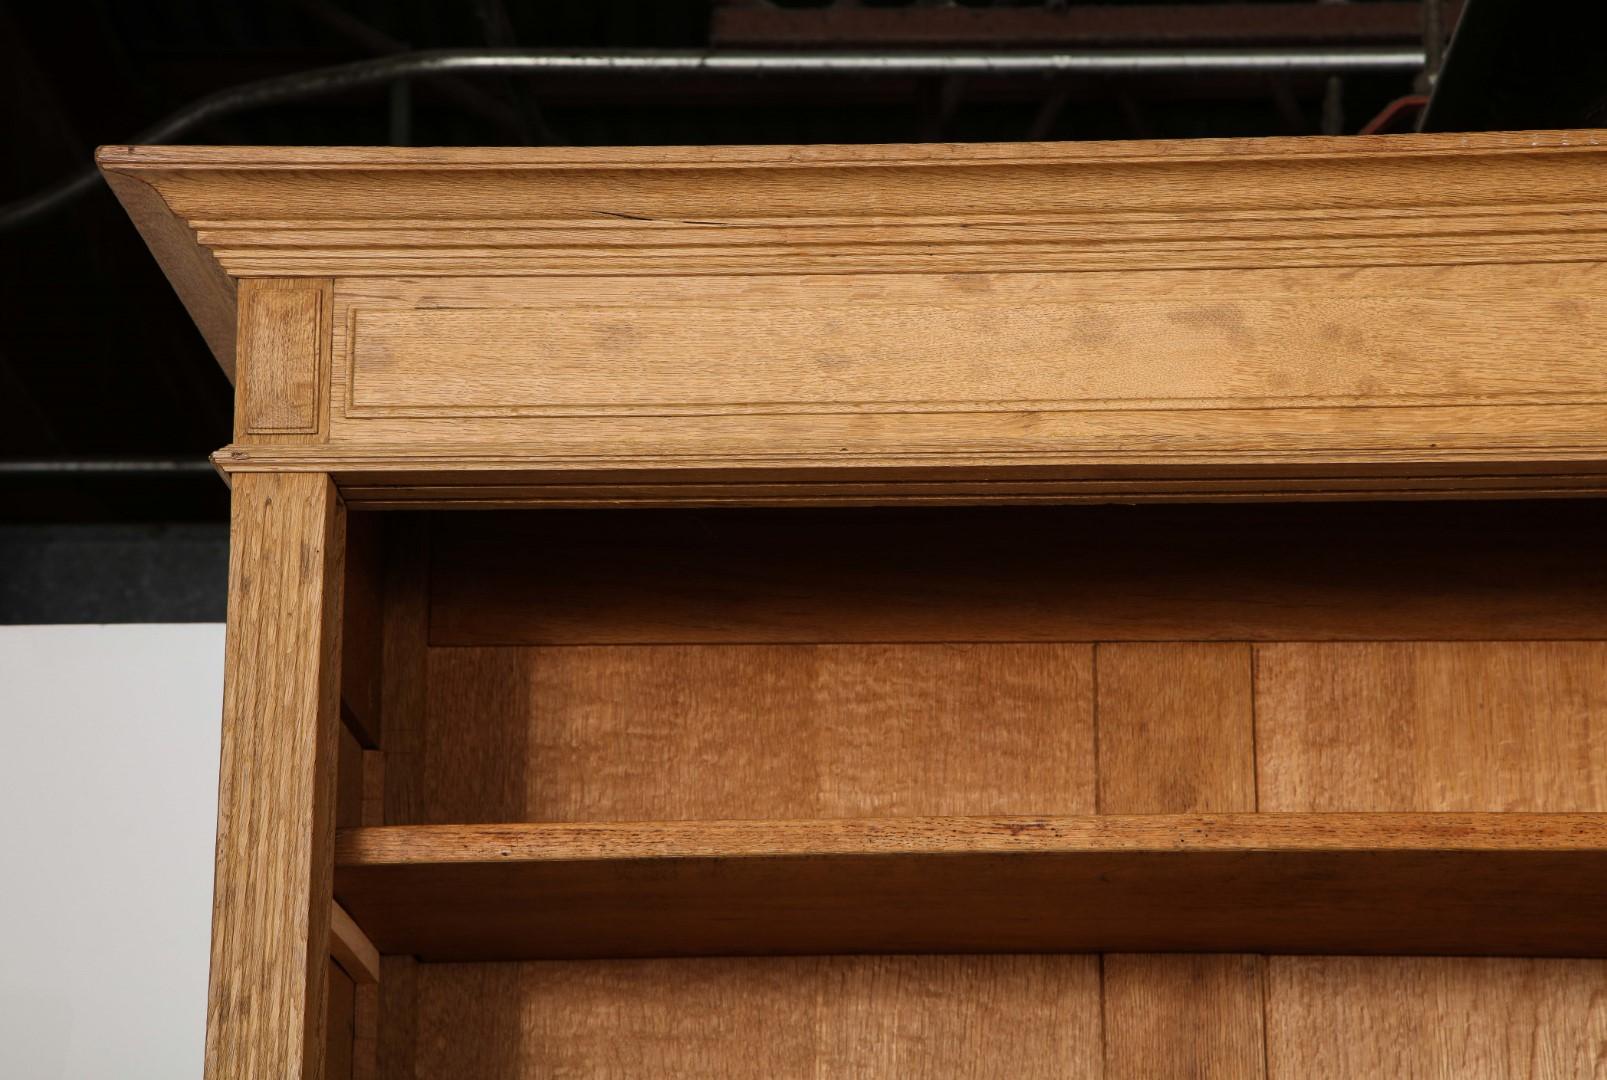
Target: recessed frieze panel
(1179,342)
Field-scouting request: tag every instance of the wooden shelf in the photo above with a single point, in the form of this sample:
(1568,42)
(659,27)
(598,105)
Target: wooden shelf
(1487,884)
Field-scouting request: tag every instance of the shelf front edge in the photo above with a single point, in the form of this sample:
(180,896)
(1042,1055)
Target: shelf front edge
(1486,884)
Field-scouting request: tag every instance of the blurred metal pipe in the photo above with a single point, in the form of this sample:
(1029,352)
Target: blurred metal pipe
(317,82)
(912,62)
(465,95)
(108,467)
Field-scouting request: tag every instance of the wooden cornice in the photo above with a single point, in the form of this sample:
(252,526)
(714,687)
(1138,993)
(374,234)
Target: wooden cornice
(1323,309)
(1236,203)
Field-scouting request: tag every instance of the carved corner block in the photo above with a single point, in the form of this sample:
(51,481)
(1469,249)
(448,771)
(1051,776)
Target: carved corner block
(283,359)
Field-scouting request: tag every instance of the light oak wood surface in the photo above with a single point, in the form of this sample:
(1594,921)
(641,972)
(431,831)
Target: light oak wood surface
(1509,1018)
(999,739)
(1518,726)
(1445,884)
(349,780)
(1176,736)
(922,344)
(1185,1016)
(350,947)
(293,211)
(339,1064)
(268,996)
(1176,731)
(1290,317)
(1439,727)
(590,710)
(796,1017)
(577,734)
(284,327)
(397,1041)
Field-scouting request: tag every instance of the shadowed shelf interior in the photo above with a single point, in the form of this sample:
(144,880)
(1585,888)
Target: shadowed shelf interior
(1171,773)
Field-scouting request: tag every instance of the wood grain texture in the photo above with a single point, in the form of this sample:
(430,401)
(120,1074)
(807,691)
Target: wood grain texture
(1434,727)
(1423,884)
(1512,726)
(341,1026)
(427,473)
(365,1032)
(372,809)
(1178,1015)
(283,357)
(1176,736)
(1228,573)
(932,343)
(350,947)
(1341,1017)
(1393,318)
(349,780)
(1175,729)
(511,844)
(276,801)
(397,1021)
(1140,205)
(1228,305)
(698,732)
(680,732)
(1072,372)
(806,1017)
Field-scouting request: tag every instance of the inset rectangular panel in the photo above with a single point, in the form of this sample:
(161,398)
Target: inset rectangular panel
(1337,1018)
(1184,1016)
(677,732)
(283,338)
(1384,726)
(1175,728)
(1404,726)
(1142,344)
(1032,1017)
(1175,736)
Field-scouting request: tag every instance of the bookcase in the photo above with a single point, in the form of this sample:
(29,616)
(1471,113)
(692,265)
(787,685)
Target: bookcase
(1035,610)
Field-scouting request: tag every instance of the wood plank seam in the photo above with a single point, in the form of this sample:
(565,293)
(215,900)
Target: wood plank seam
(1255,733)
(1172,745)
(1099,773)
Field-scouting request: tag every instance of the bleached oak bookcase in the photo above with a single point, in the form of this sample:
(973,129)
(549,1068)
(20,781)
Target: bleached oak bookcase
(1025,611)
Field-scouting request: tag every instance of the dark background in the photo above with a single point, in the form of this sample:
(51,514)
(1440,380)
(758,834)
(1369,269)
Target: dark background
(111,402)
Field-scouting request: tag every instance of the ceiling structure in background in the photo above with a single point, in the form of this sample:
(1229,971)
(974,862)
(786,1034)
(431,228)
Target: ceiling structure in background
(112,399)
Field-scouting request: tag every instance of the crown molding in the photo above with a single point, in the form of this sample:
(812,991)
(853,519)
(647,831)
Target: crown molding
(1241,203)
